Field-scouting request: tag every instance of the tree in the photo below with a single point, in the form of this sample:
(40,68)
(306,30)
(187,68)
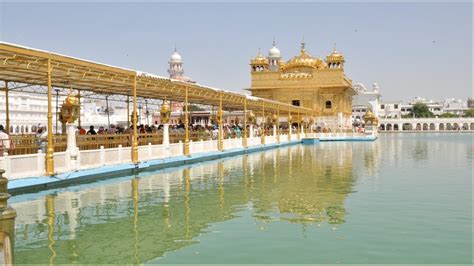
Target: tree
(448,115)
(421,110)
(469,113)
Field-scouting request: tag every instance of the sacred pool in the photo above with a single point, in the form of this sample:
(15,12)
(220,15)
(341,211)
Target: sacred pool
(404,198)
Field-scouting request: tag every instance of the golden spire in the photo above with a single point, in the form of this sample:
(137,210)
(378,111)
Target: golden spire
(334,50)
(302,46)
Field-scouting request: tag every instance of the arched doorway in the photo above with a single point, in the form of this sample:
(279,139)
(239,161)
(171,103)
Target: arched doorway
(395,127)
(418,126)
(456,126)
(389,127)
(425,126)
(472,126)
(465,126)
(441,126)
(432,126)
(449,126)
(407,126)
(382,127)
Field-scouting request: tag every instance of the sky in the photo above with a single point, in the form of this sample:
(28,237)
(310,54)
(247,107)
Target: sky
(409,49)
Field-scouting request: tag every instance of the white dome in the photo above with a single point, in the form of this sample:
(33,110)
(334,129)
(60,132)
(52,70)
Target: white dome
(176,58)
(274,52)
(375,86)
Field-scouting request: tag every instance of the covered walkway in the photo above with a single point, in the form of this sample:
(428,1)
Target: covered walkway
(27,68)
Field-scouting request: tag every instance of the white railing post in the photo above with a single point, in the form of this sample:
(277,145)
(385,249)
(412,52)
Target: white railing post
(251,134)
(149,151)
(6,164)
(40,162)
(102,155)
(120,149)
(166,139)
(166,134)
(72,150)
(67,160)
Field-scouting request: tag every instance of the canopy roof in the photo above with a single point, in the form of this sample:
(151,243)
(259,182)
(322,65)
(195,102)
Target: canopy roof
(30,66)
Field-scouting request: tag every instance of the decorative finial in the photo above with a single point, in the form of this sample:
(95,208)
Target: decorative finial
(334,50)
(302,46)
(273,41)
(259,52)
(175,49)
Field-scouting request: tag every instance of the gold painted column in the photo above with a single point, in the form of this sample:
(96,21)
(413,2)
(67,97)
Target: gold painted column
(278,124)
(298,126)
(134,140)
(244,139)
(263,124)
(128,113)
(186,124)
(7,110)
(220,144)
(79,109)
(50,149)
(289,124)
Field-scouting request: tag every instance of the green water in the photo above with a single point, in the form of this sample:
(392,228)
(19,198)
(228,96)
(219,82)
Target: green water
(406,198)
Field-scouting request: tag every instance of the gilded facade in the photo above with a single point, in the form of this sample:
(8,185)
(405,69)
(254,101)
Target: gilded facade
(306,81)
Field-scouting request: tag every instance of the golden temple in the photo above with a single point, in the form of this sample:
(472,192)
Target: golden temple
(307,81)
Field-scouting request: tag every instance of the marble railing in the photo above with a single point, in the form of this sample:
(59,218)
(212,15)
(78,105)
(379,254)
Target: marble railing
(33,165)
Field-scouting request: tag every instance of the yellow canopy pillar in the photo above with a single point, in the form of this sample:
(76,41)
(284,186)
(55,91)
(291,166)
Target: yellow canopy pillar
(186,125)
(278,124)
(79,109)
(263,124)
(244,138)
(50,149)
(298,126)
(128,112)
(220,143)
(7,110)
(289,124)
(134,136)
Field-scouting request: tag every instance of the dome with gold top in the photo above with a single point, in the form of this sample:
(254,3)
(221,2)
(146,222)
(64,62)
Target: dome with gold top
(335,59)
(259,59)
(304,59)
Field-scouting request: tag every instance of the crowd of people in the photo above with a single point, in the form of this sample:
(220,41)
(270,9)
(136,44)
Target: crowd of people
(210,131)
(230,130)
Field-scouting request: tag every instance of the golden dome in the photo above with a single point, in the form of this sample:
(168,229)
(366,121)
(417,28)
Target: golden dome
(304,59)
(370,117)
(335,55)
(259,59)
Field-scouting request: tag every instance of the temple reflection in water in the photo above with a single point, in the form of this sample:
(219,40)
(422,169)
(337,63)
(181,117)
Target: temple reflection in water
(134,220)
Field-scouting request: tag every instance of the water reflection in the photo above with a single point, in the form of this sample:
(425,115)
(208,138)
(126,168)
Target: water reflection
(137,220)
